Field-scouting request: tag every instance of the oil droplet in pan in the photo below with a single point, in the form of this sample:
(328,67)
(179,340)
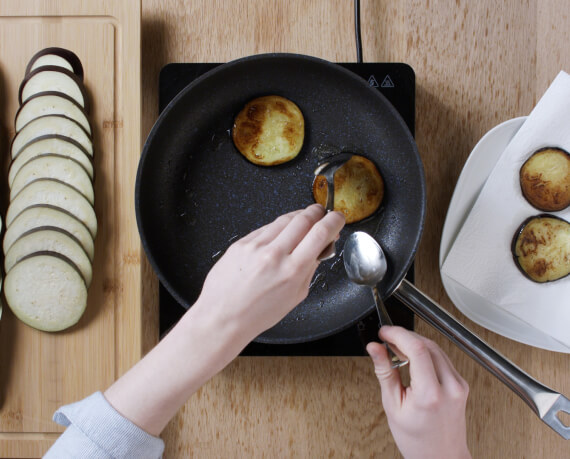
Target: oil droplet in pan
(318,278)
(220,253)
(337,264)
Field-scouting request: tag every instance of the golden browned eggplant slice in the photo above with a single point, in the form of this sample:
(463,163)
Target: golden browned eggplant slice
(541,248)
(358,189)
(545,179)
(269,130)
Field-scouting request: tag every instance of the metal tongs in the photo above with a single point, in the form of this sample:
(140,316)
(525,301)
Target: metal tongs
(328,167)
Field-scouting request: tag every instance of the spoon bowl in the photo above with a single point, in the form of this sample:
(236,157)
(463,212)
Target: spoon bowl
(366,264)
(364,259)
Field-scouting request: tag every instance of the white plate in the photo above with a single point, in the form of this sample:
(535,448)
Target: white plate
(473,176)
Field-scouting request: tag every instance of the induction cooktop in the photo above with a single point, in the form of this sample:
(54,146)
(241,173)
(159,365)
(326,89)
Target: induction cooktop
(396,81)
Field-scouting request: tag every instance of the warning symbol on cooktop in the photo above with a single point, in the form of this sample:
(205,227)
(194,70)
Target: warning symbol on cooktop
(372,81)
(387,82)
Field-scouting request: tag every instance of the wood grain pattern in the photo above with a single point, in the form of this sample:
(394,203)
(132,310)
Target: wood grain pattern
(42,371)
(477,64)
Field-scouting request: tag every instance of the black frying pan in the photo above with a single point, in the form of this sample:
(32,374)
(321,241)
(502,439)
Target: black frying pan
(195,193)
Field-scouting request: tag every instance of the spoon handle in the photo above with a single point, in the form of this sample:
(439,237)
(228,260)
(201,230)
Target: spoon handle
(385,320)
(330,250)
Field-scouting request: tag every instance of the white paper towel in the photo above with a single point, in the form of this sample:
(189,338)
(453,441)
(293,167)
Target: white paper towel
(480,258)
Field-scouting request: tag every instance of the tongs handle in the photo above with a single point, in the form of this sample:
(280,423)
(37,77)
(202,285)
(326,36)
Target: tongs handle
(545,402)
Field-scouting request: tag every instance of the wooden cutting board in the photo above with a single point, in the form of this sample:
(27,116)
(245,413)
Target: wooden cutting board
(41,371)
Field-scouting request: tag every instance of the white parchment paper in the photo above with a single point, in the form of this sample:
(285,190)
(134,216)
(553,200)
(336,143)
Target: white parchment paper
(480,258)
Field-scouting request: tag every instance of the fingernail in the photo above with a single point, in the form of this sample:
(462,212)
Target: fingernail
(371,354)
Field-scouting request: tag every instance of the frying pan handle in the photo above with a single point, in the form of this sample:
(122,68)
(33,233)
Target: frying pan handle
(542,400)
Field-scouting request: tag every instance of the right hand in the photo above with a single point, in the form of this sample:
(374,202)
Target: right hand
(427,419)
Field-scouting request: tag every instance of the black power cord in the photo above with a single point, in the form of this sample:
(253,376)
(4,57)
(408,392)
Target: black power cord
(357,31)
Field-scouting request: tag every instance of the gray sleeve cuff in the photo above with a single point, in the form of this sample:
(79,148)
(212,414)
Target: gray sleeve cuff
(96,430)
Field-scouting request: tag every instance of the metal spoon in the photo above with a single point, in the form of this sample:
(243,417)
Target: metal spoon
(365,253)
(365,264)
(328,168)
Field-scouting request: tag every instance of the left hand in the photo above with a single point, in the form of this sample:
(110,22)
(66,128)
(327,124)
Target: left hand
(264,275)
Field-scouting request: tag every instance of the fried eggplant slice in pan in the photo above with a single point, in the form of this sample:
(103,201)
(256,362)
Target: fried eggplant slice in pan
(358,189)
(269,130)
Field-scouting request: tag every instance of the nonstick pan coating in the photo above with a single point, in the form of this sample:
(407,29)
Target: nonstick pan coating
(195,193)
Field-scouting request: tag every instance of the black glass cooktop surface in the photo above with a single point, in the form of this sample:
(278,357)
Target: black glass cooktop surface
(396,82)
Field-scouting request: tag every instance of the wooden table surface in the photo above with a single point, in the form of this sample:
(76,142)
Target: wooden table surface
(477,64)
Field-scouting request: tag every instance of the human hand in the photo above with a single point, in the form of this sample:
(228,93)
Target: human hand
(264,275)
(427,419)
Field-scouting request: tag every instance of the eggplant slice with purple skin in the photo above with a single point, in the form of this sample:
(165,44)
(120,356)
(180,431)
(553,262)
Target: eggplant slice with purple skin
(541,248)
(545,179)
(55,280)
(57,57)
(54,193)
(56,167)
(53,78)
(50,125)
(51,103)
(50,144)
(42,215)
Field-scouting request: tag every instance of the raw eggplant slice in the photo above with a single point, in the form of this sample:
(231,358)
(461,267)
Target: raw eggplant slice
(55,167)
(51,239)
(50,60)
(44,215)
(54,193)
(48,144)
(53,78)
(545,179)
(56,56)
(51,103)
(46,291)
(541,248)
(51,124)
